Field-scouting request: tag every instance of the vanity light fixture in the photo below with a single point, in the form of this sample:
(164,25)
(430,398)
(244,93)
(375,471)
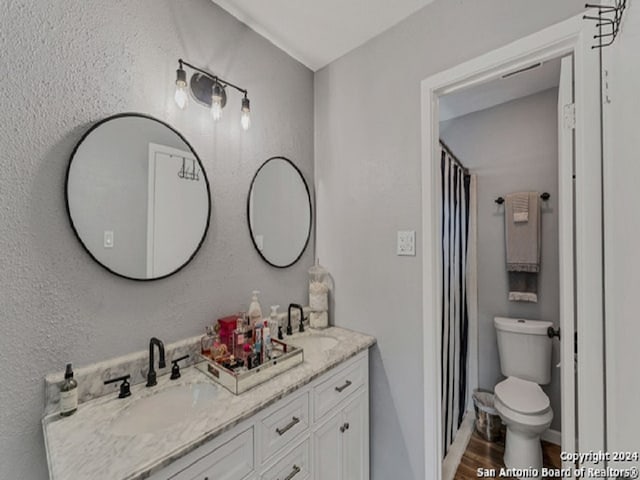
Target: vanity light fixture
(209,90)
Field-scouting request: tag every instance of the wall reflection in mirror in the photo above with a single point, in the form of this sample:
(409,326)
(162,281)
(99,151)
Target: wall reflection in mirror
(279,212)
(138,197)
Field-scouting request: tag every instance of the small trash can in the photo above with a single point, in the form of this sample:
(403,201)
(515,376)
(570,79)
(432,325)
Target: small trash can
(488,422)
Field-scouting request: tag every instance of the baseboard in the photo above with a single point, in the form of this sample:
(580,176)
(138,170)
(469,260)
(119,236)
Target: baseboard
(552,436)
(458,447)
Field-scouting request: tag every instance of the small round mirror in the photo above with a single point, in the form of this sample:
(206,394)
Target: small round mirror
(138,197)
(279,212)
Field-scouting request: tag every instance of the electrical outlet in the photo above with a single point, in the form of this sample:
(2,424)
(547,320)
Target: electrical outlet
(108,239)
(406,242)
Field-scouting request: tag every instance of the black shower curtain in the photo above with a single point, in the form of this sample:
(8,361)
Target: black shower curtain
(455,321)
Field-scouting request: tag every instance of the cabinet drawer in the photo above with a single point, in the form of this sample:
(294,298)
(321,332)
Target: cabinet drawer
(293,466)
(230,461)
(277,428)
(338,387)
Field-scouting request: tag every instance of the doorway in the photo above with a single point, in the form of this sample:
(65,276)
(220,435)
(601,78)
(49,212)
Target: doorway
(505,133)
(580,231)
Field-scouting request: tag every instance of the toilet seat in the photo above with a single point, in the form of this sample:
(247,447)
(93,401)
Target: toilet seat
(522,396)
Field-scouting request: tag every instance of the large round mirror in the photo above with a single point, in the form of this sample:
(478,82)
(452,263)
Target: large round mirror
(138,197)
(279,211)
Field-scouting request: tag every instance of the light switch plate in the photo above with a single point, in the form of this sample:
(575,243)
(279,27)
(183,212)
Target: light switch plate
(108,239)
(406,242)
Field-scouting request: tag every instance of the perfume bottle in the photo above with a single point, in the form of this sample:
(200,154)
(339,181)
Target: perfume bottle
(267,348)
(218,349)
(257,346)
(206,342)
(238,338)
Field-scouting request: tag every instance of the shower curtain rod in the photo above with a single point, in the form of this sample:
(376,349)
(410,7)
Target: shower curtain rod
(453,157)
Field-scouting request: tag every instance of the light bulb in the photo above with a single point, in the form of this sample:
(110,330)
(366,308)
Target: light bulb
(181,97)
(216,102)
(245,116)
(245,120)
(216,110)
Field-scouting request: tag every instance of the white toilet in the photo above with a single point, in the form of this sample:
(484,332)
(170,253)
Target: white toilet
(525,359)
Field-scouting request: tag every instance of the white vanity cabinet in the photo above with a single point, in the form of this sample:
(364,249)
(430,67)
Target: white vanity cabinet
(320,431)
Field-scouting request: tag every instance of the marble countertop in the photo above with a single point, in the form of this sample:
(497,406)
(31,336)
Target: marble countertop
(83,446)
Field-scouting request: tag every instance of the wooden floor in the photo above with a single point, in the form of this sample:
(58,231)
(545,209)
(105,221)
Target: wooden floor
(483,454)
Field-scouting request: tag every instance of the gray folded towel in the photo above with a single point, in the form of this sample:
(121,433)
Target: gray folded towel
(522,230)
(523,238)
(521,207)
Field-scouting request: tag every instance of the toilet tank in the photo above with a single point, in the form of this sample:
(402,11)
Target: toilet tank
(524,349)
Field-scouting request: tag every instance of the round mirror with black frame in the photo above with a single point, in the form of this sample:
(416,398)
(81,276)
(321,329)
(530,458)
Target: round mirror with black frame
(279,212)
(138,197)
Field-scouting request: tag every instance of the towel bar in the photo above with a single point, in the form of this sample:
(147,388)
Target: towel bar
(545,196)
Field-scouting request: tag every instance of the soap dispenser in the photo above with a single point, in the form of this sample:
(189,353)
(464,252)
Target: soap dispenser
(255,311)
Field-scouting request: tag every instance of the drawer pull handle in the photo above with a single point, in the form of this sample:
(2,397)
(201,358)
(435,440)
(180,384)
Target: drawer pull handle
(346,384)
(296,470)
(294,421)
(344,427)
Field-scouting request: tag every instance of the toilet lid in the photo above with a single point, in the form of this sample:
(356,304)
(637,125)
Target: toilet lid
(522,396)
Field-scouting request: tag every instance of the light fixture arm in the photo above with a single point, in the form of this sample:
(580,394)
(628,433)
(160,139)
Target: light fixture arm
(213,77)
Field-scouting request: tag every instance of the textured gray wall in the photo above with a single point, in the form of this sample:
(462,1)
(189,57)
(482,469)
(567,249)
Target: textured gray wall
(512,147)
(368,143)
(66,64)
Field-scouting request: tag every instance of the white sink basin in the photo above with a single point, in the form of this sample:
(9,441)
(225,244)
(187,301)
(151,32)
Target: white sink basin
(164,409)
(315,344)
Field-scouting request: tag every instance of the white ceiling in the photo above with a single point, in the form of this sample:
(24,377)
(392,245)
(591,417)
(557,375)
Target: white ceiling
(500,91)
(316,32)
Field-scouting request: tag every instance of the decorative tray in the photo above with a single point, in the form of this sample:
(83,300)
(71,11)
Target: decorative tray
(284,357)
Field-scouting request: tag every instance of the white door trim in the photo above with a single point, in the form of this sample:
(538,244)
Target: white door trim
(154,149)
(566,138)
(572,36)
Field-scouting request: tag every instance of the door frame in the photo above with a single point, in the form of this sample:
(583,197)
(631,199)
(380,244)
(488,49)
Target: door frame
(570,37)
(154,149)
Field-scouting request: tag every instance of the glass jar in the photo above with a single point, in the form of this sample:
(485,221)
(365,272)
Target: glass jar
(319,286)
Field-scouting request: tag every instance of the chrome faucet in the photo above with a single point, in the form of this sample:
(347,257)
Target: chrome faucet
(151,376)
(301,326)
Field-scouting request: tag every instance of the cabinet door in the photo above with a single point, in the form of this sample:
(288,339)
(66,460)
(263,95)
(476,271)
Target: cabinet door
(355,439)
(327,450)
